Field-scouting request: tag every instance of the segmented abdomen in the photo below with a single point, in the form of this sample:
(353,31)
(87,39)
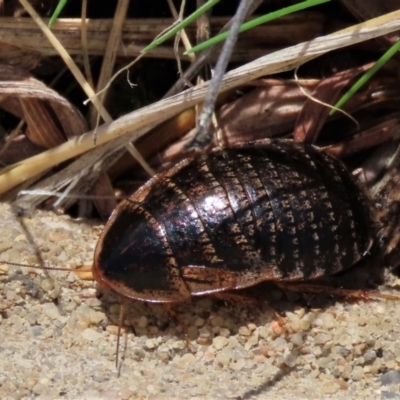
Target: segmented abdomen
(283,210)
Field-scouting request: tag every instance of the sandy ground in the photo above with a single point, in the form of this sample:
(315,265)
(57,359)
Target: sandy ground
(58,333)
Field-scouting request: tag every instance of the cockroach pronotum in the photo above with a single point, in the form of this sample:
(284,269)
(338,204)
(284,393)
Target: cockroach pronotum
(275,211)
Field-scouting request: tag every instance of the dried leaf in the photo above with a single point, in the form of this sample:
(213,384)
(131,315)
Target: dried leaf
(36,101)
(313,114)
(103,188)
(267,111)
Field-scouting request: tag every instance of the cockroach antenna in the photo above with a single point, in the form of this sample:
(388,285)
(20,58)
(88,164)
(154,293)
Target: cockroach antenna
(43,267)
(203,138)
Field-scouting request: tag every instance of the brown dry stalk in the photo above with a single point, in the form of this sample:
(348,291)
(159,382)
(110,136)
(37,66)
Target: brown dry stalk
(138,33)
(114,39)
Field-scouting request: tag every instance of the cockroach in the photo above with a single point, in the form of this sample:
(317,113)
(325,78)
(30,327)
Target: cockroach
(230,219)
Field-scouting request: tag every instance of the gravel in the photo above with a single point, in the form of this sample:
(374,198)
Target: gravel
(58,333)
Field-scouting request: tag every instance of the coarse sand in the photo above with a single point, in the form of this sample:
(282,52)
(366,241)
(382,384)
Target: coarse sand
(58,333)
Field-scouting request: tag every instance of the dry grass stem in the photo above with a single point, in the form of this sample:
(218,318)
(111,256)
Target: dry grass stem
(84,44)
(23,33)
(114,39)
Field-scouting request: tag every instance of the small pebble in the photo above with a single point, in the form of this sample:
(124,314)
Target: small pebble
(208,356)
(11,295)
(305,325)
(138,354)
(297,339)
(260,358)
(47,285)
(238,365)
(369,356)
(199,322)
(239,353)
(50,310)
(179,344)
(357,373)
(91,335)
(219,342)
(187,359)
(262,350)
(251,342)
(322,338)
(252,326)
(202,341)
(233,342)
(217,321)
(153,330)
(328,320)
(32,318)
(37,331)
(279,344)
(244,331)
(3,269)
(263,332)
(192,333)
(142,323)
(317,351)
(163,356)
(324,361)
(39,388)
(291,359)
(224,332)
(225,356)
(330,388)
(113,329)
(205,332)
(150,344)
(276,328)
(125,393)
(389,395)
(222,359)
(345,339)
(96,317)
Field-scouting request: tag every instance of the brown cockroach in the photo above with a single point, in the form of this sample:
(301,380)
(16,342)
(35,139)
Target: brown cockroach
(272,210)
(275,211)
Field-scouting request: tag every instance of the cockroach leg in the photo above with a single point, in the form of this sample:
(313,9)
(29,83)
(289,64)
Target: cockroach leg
(120,322)
(84,272)
(231,297)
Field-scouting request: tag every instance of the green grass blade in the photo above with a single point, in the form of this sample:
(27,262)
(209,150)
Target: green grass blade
(57,12)
(367,75)
(255,22)
(192,17)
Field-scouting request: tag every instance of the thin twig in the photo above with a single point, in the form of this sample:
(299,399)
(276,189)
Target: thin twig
(204,56)
(202,137)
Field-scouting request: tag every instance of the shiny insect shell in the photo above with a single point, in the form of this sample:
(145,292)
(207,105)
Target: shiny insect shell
(233,218)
